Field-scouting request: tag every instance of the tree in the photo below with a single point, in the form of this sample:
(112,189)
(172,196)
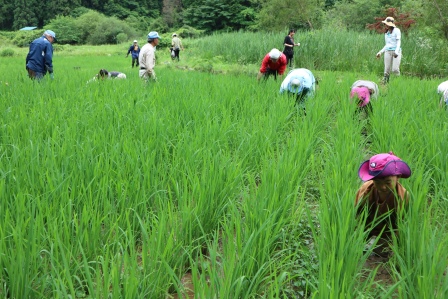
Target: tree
(7,14)
(24,14)
(403,20)
(281,14)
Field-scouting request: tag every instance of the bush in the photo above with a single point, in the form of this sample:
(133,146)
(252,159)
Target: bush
(121,37)
(190,32)
(7,52)
(66,29)
(107,30)
(24,38)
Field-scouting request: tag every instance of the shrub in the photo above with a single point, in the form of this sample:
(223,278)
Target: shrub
(107,30)
(66,29)
(24,38)
(7,52)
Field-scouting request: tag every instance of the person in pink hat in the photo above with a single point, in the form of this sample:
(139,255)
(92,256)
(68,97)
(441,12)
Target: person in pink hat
(382,196)
(363,91)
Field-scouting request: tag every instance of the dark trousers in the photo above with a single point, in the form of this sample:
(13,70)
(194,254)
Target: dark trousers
(134,61)
(176,54)
(270,72)
(34,75)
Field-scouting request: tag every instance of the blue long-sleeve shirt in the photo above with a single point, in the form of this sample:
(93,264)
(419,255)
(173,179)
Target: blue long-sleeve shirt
(134,50)
(40,56)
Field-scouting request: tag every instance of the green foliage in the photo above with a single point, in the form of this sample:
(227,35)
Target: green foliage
(107,30)
(189,32)
(67,30)
(24,38)
(159,25)
(215,15)
(280,14)
(352,15)
(7,52)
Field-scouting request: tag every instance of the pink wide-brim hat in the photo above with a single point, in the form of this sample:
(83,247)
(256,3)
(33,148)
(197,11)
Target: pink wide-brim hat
(363,94)
(383,165)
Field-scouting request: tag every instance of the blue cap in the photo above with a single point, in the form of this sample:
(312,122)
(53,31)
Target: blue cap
(50,33)
(153,34)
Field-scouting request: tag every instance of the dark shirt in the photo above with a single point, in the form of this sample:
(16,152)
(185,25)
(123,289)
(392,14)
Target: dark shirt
(289,41)
(40,56)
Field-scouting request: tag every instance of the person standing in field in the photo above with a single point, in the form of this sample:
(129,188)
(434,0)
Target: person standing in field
(147,57)
(442,90)
(381,196)
(301,84)
(134,50)
(289,46)
(274,63)
(176,44)
(392,49)
(39,60)
(364,90)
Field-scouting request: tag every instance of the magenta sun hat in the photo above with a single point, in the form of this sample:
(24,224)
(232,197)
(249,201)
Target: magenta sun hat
(363,94)
(383,165)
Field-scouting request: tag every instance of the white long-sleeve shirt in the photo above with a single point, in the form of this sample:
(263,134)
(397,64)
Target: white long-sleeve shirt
(393,41)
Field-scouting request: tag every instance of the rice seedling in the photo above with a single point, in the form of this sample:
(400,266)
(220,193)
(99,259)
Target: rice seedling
(122,189)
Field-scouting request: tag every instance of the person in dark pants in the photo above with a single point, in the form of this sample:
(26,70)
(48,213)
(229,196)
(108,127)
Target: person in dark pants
(274,63)
(176,44)
(289,46)
(39,60)
(134,50)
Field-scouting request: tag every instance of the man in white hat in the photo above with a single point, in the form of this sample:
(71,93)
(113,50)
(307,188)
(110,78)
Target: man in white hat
(301,84)
(134,49)
(39,60)
(392,49)
(147,57)
(176,45)
(274,63)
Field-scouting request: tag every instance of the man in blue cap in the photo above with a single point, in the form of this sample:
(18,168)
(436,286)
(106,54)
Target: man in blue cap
(39,60)
(147,57)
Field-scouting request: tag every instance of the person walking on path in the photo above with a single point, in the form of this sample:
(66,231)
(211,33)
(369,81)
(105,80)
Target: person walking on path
(382,197)
(147,57)
(289,46)
(274,63)
(392,49)
(134,50)
(364,90)
(176,44)
(39,60)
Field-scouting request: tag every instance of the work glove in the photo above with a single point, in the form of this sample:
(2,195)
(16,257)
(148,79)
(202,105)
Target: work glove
(52,76)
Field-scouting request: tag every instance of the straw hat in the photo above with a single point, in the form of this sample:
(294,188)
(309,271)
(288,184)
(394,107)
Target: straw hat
(389,21)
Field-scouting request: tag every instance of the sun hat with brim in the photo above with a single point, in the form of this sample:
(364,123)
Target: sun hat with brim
(174,34)
(135,41)
(275,53)
(153,34)
(383,165)
(389,21)
(363,94)
(50,33)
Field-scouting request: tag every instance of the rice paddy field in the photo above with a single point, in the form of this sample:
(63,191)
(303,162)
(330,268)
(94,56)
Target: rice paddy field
(210,184)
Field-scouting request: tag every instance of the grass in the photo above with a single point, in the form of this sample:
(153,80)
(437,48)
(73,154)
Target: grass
(121,188)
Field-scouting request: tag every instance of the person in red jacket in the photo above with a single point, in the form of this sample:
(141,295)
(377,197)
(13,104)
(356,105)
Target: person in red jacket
(274,63)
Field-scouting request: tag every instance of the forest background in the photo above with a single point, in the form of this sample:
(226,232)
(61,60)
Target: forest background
(116,21)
